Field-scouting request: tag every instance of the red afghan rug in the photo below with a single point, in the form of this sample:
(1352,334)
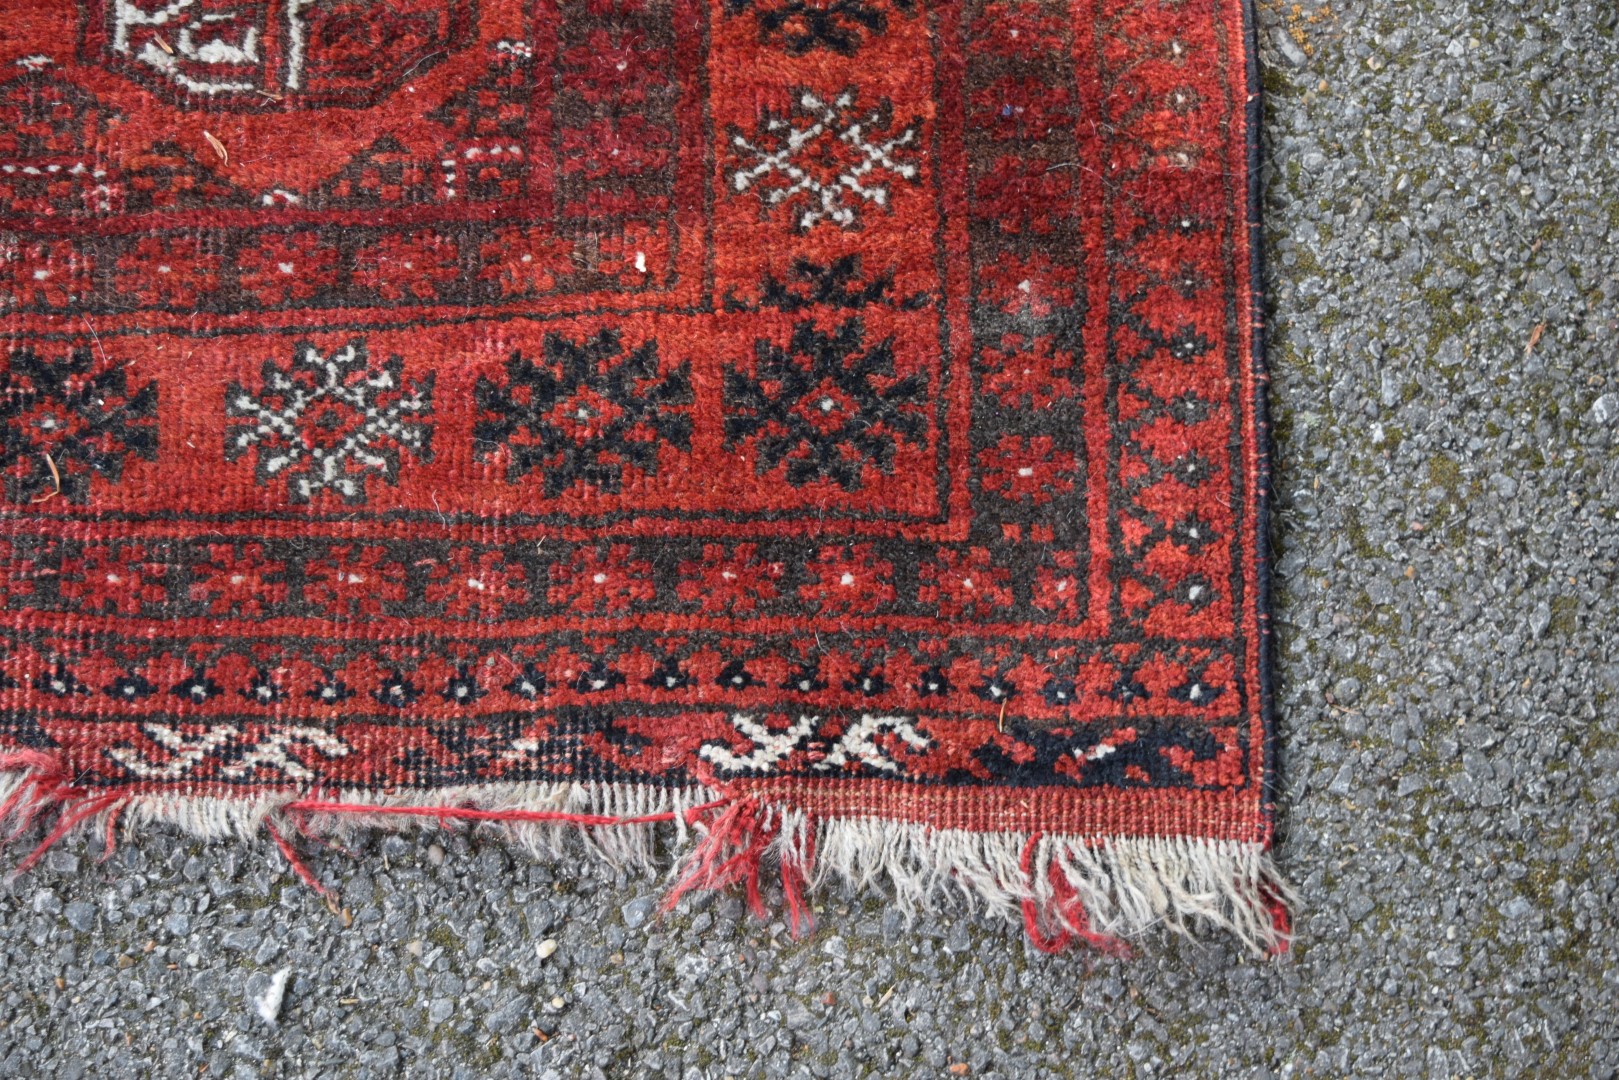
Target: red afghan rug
(830,430)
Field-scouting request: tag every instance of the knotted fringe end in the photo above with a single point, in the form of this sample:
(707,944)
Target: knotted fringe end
(1100,891)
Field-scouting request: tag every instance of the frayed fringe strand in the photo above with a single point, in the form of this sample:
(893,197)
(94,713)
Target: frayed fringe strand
(733,851)
(1102,891)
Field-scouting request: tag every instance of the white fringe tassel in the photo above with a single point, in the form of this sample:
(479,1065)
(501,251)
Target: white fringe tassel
(1126,886)
(630,846)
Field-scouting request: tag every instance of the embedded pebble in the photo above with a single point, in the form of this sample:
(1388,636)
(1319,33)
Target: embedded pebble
(81,916)
(1605,410)
(638,911)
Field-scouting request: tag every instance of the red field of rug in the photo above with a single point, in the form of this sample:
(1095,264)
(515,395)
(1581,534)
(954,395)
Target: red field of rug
(829,429)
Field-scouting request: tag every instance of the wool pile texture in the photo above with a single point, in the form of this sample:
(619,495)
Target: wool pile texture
(808,439)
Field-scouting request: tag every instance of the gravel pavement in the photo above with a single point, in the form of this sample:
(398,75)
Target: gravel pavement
(1443,237)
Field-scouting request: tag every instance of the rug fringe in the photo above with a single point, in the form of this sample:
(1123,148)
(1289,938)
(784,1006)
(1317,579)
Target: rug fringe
(1101,890)
(1065,889)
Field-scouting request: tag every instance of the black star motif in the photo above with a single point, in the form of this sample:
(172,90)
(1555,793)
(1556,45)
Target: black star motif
(825,406)
(397,692)
(263,690)
(669,676)
(933,683)
(584,413)
(331,691)
(130,688)
(62,423)
(462,689)
(60,683)
(199,688)
(735,676)
(528,683)
(868,681)
(597,678)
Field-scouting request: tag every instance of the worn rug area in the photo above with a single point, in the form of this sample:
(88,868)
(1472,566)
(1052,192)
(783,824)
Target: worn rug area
(804,438)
